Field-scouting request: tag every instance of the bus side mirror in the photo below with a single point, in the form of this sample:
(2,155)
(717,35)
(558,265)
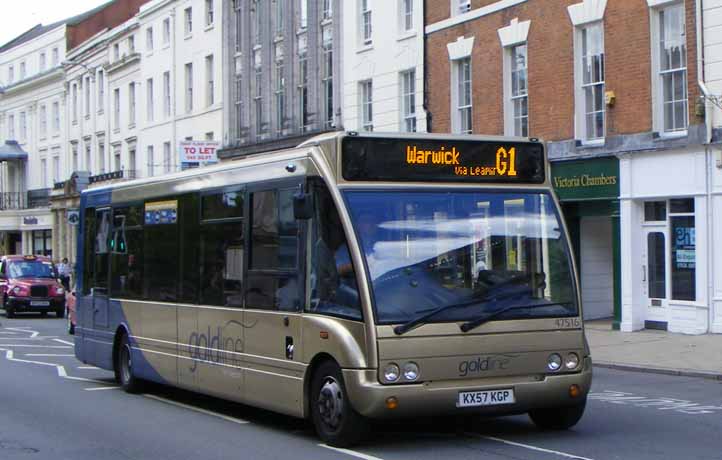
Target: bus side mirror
(302,206)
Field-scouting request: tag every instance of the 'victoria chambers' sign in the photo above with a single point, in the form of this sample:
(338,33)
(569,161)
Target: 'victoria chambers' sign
(586,179)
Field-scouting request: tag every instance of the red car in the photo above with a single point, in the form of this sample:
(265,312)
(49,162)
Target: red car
(30,283)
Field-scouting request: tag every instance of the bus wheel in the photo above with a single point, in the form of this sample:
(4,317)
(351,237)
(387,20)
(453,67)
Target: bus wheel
(124,368)
(558,418)
(336,422)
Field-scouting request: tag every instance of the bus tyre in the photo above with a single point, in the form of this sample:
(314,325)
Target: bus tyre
(124,367)
(336,422)
(558,418)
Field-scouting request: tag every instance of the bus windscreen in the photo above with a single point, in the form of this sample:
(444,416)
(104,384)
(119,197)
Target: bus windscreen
(441,160)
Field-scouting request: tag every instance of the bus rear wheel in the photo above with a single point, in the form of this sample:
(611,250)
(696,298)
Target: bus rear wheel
(124,367)
(336,422)
(558,418)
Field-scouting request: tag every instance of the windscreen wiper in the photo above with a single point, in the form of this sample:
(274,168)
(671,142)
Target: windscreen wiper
(469,325)
(407,326)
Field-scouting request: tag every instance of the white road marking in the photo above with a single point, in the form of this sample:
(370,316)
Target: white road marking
(28,338)
(65,342)
(198,409)
(88,367)
(33,346)
(8,333)
(682,406)
(26,329)
(351,453)
(46,354)
(530,447)
(101,388)
(10,356)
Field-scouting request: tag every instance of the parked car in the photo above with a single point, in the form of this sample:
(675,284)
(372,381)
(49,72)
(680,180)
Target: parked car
(30,283)
(70,311)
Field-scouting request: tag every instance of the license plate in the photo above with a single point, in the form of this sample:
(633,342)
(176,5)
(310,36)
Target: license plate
(39,303)
(485,398)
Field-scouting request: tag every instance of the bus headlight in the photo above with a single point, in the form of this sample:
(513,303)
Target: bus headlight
(391,372)
(572,361)
(411,371)
(554,362)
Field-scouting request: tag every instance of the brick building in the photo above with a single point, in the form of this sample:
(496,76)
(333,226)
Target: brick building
(612,86)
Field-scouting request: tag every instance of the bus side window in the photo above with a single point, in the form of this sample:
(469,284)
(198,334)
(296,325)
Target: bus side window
(101,251)
(273,282)
(89,250)
(333,278)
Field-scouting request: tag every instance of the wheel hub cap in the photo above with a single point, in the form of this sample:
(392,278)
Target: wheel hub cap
(330,403)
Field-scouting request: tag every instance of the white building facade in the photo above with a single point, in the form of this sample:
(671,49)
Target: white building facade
(383,65)
(32,120)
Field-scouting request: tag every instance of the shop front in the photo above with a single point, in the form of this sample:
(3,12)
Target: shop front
(665,242)
(589,193)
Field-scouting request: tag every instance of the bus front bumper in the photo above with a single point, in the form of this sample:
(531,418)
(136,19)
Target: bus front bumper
(369,397)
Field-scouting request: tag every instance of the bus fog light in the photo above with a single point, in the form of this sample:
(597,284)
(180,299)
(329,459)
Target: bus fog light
(411,371)
(572,361)
(391,372)
(574,391)
(554,362)
(392,402)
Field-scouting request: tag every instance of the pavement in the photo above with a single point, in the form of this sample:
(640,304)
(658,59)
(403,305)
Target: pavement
(655,351)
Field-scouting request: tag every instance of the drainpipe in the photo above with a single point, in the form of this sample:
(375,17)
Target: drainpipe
(174,88)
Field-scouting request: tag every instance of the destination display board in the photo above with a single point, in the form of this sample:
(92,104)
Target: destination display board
(437,160)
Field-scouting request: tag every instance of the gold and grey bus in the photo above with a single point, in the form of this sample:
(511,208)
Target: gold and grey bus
(352,278)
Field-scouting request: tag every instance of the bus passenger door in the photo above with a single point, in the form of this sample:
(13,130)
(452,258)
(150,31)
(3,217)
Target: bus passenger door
(99,289)
(273,301)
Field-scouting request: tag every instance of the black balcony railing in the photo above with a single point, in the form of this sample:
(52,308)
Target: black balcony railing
(106,177)
(12,200)
(39,198)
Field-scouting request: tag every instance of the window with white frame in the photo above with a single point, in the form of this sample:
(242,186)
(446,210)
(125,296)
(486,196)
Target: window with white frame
(463,109)
(56,167)
(23,126)
(101,156)
(672,68)
(209,13)
(131,104)
(43,121)
(591,64)
(303,117)
(189,87)
(23,70)
(11,74)
(74,153)
(56,117)
(42,62)
(366,29)
(131,44)
(280,94)
(303,16)
(116,158)
(56,57)
(258,98)
(44,173)
(116,52)
(327,9)
(75,103)
(408,101)
(11,127)
(519,90)
(407,15)
(210,81)
(151,161)
(366,105)
(87,96)
(166,157)
(279,17)
(188,21)
(116,108)
(149,38)
(166,94)
(460,7)
(257,24)
(101,90)
(150,102)
(327,77)
(166,31)
(88,153)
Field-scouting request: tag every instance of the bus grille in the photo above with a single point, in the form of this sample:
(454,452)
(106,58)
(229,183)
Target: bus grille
(39,291)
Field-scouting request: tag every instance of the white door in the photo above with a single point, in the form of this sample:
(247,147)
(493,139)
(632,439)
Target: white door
(654,272)
(596,267)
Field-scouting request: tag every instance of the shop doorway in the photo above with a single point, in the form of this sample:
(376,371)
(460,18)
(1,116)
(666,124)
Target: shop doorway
(654,276)
(596,267)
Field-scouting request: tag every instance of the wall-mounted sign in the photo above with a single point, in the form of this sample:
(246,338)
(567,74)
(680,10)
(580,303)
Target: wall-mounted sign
(198,151)
(30,221)
(161,212)
(73,216)
(586,179)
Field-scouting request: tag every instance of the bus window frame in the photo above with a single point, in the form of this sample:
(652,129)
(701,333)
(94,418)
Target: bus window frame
(114,207)
(276,185)
(491,188)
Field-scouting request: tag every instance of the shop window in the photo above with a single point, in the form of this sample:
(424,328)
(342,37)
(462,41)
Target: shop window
(683,250)
(656,266)
(655,211)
